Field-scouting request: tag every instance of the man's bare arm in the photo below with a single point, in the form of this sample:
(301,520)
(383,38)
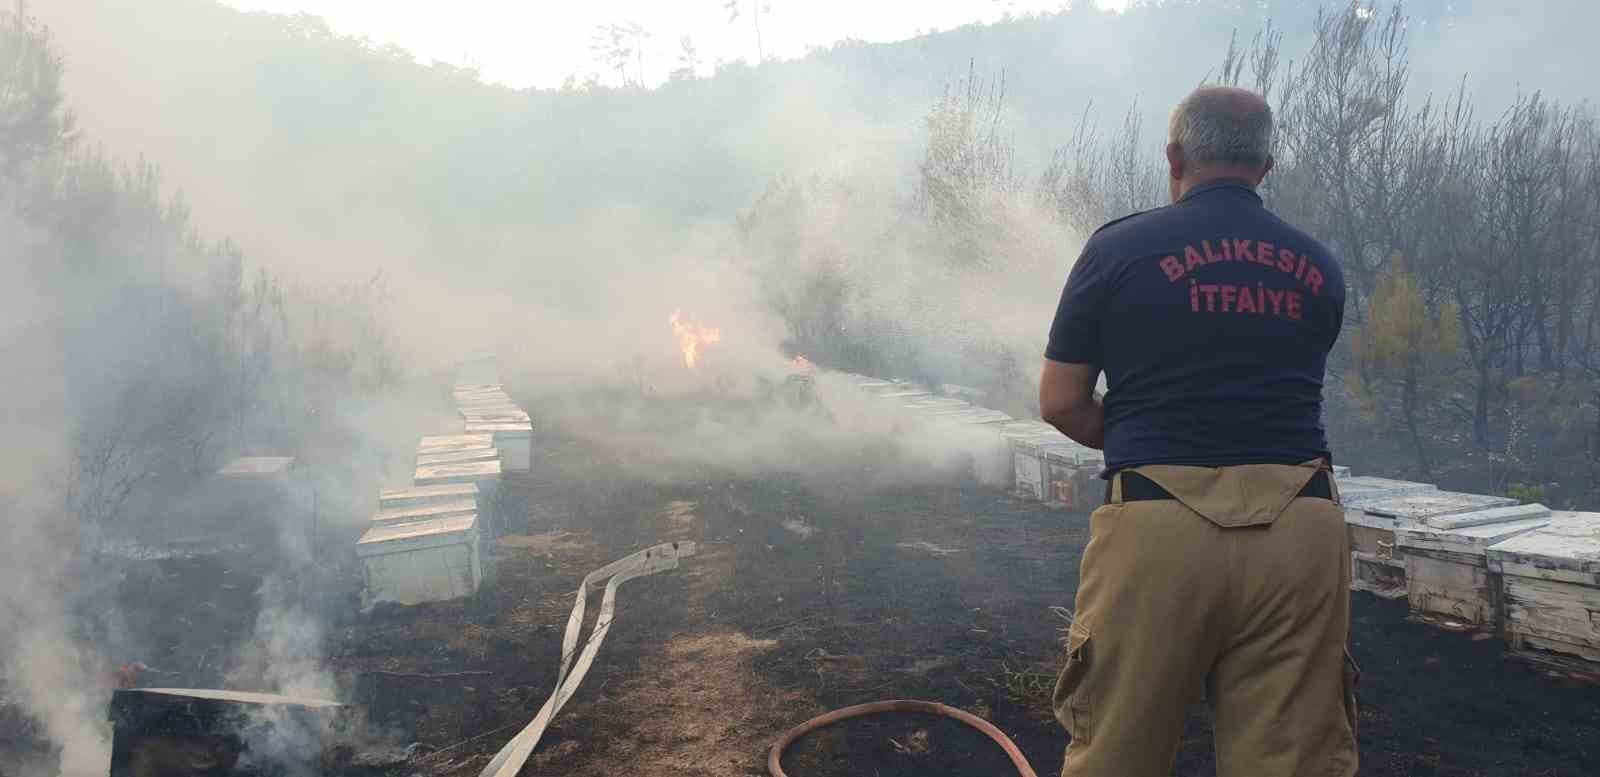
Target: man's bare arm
(1067,402)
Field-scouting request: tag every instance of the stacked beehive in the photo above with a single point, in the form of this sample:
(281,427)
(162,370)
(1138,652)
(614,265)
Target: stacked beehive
(426,542)
(1550,590)
(429,542)
(487,409)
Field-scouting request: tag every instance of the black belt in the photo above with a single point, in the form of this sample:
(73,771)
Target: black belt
(1138,488)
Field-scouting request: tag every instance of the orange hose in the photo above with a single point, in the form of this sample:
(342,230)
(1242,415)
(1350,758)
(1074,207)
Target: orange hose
(775,769)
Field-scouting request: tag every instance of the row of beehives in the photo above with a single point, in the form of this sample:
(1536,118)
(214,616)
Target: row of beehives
(1037,459)
(427,543)
(1474,562)
(1462,561)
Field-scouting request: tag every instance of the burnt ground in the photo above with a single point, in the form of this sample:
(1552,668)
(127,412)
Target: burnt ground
(806,596)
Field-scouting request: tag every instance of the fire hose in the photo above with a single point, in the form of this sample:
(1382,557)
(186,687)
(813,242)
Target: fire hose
(510,759)
(514,755)
(775,769)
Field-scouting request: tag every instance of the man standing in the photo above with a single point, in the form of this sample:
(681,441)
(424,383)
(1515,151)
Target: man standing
(1219,564)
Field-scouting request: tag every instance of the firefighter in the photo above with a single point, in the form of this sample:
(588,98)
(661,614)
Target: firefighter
(1218,566)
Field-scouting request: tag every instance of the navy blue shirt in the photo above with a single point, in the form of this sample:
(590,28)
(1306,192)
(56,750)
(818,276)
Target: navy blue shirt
(1212,320)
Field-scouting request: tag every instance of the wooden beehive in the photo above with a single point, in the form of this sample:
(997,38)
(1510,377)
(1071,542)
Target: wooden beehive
(1439,538)
(454,442)
(514,439)
(426,495)
(1073,475)
(1550,591)
(453,457)
(432,560)
(422,512)
(973,416)
(1374,565)
(1356,491)
(1448,579)
(1029,472)
(190,732)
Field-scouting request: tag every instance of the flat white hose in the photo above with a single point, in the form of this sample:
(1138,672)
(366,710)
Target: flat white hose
(514,755)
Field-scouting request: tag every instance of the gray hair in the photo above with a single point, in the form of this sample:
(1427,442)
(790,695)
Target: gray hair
(1221,125)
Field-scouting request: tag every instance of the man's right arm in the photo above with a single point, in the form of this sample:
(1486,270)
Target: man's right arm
(1067,401)
(1073,357)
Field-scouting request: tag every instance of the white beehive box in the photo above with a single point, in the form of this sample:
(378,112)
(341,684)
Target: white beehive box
(1375,566)
(1550,588)
(483,474)
(421,512)
(1073,476)
(426,495)
(1434,507)
(1355,491)
(427,561)
(455,442)
(497,415)
(929,405)
(975,416)
(1448,580)
(1030,459)
(899,392)
(492,396)
(1446,574)
(513,438)
(1031,475)
(455,457)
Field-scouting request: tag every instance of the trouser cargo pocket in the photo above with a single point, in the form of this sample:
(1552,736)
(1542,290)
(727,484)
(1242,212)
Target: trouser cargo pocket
(1072,700)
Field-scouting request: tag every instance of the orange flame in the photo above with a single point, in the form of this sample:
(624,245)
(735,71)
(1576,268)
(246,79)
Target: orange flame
(801,364)
(691,337)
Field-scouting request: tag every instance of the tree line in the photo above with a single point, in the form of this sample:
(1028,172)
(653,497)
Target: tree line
(164,351)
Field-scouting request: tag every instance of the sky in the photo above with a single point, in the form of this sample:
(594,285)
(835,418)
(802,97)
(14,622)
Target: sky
(542,43)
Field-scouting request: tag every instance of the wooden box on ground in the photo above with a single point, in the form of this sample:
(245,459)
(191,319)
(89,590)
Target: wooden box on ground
(1448,579)
(1031,478)
(973,416)
(898,392)
(455,442)
(1375,509)
(513,438)
(455,457)
(1073,472)
(189,732)
(422,512)
(1550,580)
(930,404)
(510,415)
(1438,542)
(1355,491)
(434,560)
(395,498)
(1375,567)
(483,474)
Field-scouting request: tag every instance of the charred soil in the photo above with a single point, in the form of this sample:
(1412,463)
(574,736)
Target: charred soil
(809,595)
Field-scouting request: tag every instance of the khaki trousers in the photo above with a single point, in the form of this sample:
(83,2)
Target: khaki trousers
(1236,590)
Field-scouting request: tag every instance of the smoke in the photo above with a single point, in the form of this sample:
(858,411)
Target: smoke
(408,217)
(46,665)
